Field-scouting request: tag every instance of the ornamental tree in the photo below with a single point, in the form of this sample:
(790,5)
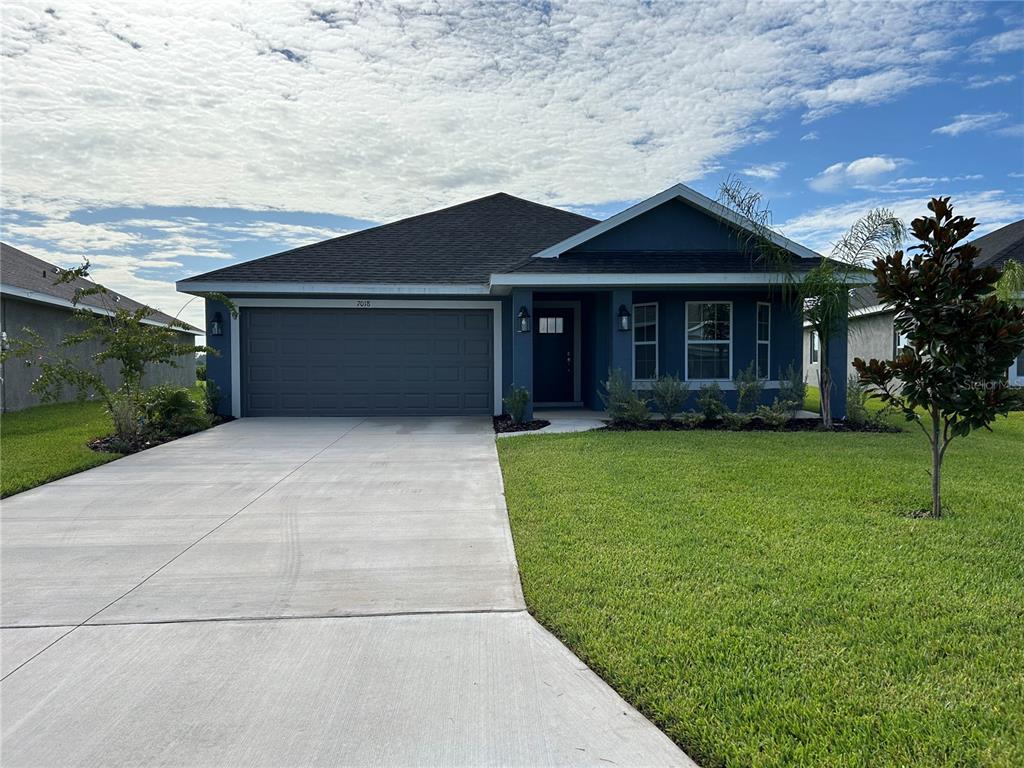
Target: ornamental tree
(961,337)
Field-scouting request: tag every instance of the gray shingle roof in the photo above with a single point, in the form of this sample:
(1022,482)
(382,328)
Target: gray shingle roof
(462,244)
(22,270)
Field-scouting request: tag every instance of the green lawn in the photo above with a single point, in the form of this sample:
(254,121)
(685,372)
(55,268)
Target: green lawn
(48,442)
(41,444)
(763,598)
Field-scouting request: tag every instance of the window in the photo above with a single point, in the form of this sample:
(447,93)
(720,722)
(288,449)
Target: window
(764,329)
(900,340)
(551,325)
(815,347)
(708,340)
(645,342)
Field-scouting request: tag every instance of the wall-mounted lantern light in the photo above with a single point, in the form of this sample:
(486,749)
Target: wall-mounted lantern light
(624,318)
(217,324)
(524,320)
(5,343)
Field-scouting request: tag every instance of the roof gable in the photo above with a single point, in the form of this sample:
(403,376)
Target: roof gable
(694,206)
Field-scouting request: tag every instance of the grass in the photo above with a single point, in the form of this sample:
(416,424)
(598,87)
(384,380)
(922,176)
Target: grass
(764,599)
(42,444)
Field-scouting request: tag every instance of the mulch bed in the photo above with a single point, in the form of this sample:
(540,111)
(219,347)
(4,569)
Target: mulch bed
(504,423)
(111,444)
(754,425)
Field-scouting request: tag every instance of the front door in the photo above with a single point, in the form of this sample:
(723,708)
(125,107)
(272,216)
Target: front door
(553,341)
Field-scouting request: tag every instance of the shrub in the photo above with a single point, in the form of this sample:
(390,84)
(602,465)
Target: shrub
(736,421)
(775,415)
(711,401)
(669,395)
(171,412)
(625,407)
(201,372)
(515,403)
(748,390)
(690,419)
(856,401)
(211,397)
(126,415)
(792,387)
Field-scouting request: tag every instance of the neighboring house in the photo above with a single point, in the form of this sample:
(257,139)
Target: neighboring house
(29,299)
(871,330)
(442,313)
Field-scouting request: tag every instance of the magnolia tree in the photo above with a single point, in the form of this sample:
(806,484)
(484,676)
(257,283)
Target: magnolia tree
(950,378)
(823,291)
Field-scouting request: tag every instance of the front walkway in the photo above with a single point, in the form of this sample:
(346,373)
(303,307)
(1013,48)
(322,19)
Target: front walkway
(291,592)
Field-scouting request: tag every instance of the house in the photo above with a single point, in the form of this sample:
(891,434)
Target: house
(29,299)
(871,330)
(443,312)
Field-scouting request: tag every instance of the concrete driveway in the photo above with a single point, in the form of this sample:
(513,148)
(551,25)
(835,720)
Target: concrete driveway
(291,592)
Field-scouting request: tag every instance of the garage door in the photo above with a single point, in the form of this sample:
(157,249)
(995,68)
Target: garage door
(366,362)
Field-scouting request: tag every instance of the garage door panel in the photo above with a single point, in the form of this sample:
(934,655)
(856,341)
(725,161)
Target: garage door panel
(366,362)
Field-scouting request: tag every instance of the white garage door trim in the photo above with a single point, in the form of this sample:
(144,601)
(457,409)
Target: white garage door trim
(236,359)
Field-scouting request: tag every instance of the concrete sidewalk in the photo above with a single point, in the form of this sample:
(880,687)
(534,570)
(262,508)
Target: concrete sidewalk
(291,592)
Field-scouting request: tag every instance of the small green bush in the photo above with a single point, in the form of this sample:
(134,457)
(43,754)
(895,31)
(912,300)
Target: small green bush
(515,403)
(625,407)
(690,419)
(172,412)
(201,372)
(775,415)
(856,401)
(211,397)
(126,414)
(711,401)
(669,395)
(792,387)
(736,421)
(748,389)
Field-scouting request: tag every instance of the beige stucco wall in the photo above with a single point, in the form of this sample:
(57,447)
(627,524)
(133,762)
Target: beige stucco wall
(53,324)
(870,336)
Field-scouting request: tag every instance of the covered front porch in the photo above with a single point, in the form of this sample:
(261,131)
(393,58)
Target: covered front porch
(565,342)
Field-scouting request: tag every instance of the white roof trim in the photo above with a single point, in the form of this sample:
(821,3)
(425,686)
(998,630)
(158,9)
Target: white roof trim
(682,192)
(57,301)
(232,287)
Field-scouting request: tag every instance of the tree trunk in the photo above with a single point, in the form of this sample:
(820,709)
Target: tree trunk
(936,467)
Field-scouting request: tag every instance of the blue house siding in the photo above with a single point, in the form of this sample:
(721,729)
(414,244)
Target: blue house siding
(672,226)
(218,367)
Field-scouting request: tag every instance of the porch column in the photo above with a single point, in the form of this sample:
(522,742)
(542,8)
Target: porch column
(522,346)
(622,341)
(839,365)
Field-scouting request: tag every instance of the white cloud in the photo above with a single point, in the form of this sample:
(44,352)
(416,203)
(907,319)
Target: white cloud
(766,171)
(977,81)
(971,122)
(820,228)
(1004,42)
(381,110)
(810,136)
(855,173)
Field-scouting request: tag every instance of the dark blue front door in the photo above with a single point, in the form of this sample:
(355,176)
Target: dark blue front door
(553,337)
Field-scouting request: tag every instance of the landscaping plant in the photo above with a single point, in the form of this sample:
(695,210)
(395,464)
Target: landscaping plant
(625,407)
(950,378)
(711,401)
(173,412)
(669,394)
(515,403)
(748,389)
(776,415)
(792,388)
(735,420)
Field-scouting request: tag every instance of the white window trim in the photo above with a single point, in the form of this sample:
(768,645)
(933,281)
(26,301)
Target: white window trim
(235,331)
(757,336)
(814,350)
(687,341)
(657,359)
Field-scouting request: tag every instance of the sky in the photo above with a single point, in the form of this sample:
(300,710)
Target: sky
(162,139)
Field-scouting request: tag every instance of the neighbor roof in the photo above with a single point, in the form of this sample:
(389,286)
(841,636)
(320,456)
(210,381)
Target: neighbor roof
(996,248)
(465,243)
(25,276)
